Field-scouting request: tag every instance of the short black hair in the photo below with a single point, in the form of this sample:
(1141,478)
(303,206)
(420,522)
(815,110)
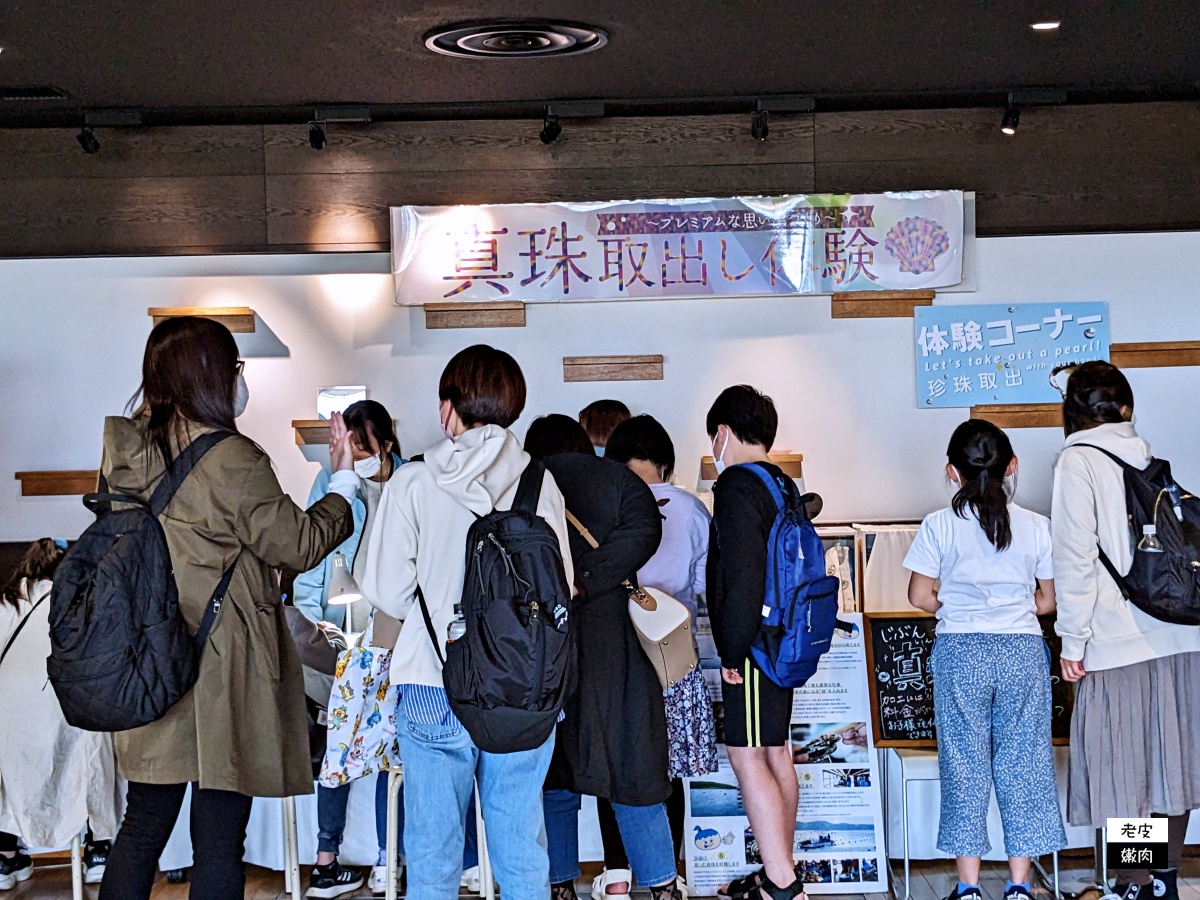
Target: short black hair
(642,437)
(556,433)
(748,413)
(600,418)
(485,386)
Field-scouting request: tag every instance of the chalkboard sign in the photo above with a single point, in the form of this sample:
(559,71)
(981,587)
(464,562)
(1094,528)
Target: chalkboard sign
(898,648)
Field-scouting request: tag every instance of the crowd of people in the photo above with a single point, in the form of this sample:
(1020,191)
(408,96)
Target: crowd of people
(340,692)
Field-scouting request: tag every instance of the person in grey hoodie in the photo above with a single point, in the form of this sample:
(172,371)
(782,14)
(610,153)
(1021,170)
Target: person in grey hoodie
(419,538)
(1135,732)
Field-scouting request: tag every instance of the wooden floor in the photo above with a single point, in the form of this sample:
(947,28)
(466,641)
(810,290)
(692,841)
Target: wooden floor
(930,881)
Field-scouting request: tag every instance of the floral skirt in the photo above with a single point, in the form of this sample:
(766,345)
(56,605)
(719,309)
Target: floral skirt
(691,732)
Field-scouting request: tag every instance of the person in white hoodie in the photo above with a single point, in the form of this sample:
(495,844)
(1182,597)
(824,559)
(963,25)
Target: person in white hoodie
(419,538)
(1135,732)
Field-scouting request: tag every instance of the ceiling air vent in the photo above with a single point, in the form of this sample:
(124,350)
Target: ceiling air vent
(508,39)
(28,93)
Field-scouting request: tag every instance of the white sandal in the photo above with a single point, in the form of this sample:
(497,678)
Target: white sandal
(611,876)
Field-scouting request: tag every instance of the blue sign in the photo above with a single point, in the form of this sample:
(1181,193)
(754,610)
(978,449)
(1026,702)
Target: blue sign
(983,355)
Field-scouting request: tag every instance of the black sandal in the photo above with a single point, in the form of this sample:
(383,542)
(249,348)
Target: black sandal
(794,891)
(743,888)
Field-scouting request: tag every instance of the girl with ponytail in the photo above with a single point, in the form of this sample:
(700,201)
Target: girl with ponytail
(990,663)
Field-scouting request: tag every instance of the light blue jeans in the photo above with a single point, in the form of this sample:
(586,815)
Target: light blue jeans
(645,832)
(441,766)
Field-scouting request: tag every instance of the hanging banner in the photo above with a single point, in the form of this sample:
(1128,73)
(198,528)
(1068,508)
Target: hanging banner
(986,355)
(839,840)
(799,244)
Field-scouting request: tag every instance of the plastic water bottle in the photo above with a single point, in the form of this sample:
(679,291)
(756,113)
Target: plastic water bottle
(458,625)
(1150,542)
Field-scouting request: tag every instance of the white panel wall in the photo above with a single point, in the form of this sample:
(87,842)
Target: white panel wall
(72,333)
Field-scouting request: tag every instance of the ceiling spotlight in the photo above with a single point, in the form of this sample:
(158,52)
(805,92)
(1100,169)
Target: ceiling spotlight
(760,126)
(316,135)
(87,140)
(550,129)
(1046,26)
(1012,117)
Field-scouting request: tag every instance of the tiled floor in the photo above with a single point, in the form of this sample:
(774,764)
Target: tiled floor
(930,881)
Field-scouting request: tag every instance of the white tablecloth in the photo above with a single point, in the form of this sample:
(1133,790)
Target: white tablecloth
(264,834)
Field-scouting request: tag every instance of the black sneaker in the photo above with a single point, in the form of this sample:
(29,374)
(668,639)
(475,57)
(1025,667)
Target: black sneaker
(969,894)
(14,869)
(333,880)
(1017,892)
(1166,884)
(95,858)
(1130,892)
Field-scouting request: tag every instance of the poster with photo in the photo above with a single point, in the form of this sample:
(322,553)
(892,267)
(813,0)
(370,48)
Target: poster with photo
(838,843)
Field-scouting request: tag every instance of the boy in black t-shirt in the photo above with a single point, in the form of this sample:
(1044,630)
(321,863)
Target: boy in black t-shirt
(742,425)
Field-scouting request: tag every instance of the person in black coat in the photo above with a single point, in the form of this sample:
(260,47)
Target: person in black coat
(612,741)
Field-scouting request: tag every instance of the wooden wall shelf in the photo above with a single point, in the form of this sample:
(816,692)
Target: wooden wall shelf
(501,314)
(613,368)
(238,319)
(1155,354)
(879,304)
(315,431)
(790,463)
(76,482)
(1021,415)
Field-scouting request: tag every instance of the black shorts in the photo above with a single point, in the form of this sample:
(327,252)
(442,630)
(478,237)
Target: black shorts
(758,712)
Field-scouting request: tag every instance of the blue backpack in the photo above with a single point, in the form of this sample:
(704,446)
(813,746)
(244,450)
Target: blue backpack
(801,603)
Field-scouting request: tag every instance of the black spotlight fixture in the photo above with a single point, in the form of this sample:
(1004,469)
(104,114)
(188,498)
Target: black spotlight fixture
(550,129)
(760,124)
(1012,118)
(316,135)
(87,140)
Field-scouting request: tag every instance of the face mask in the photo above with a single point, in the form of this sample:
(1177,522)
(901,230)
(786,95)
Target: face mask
(241,396)
(446,430)
(367,468)
(719,461)
(599,450)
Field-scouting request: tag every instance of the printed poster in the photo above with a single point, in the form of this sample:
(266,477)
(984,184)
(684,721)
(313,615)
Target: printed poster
(986,355)
(737,246)
(839,841)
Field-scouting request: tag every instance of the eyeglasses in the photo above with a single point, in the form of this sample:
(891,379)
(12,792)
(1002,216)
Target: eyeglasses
(241,366)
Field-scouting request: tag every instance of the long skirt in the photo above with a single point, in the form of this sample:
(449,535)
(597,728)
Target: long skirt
(1135,741)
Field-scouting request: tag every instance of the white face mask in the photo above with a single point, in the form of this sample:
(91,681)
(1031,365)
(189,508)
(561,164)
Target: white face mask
(241,397)
(368,468)
(719,458)
(599,450)
(447,430)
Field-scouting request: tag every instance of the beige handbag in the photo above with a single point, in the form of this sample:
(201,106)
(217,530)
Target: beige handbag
(663,624)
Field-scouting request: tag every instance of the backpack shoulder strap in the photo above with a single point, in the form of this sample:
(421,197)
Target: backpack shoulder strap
(1125,467)
(181,467)
(437,648)
(12,638)
(769,481)
(529,490)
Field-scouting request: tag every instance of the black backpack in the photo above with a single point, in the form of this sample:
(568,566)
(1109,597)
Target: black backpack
(506,678)
(121,654)
(1163,585)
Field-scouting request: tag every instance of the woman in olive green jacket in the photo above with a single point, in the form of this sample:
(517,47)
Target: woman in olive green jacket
(240,732)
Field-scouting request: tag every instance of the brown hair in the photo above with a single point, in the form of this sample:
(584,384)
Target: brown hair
(1096,391)
(484,385)
(40,560)
(601,418)
(189,374)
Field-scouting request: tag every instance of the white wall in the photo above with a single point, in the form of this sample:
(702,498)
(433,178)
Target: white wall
(72,333)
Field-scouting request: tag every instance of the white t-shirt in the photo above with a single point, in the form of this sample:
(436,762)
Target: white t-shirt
(984,591)
(678,566)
